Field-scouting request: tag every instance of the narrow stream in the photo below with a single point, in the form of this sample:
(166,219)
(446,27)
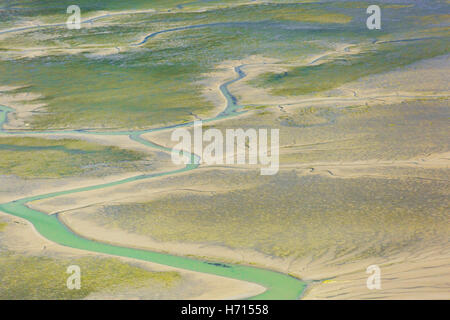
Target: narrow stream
(278,285)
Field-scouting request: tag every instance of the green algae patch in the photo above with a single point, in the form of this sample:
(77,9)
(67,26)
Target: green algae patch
(49,158)
(38,277)
(334,73)
(312,16)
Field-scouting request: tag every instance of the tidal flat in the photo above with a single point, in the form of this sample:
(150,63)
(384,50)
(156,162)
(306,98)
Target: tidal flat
(115,84)
(294,214)
(363,118)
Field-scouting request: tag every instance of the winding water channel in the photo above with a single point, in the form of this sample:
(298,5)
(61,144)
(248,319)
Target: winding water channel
(278,285)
